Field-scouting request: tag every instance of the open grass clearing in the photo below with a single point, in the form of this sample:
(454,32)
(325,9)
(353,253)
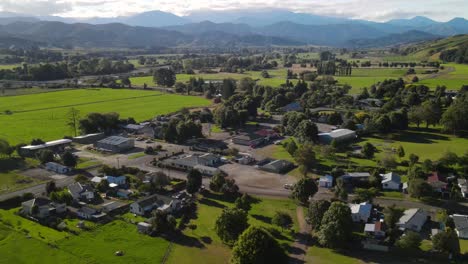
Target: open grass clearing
(44,115)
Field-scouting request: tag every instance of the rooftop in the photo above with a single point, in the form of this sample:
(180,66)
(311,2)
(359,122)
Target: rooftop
(48,144)
(391,176)
(114,140)
(461,221)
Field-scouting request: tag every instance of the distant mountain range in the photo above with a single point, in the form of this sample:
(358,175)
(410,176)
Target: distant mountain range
(232,28)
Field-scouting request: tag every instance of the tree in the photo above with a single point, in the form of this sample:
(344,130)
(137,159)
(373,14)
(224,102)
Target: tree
(73,117)
(419,188)
(401,151)
(447,242)
(410,240)
(217,182)
(368,150)
(454,118)
(317,209)
(230,188)
(103,186)
(45,155)
(165,77)
(413,159)
(50,187)
(305,157)
(340,190)
(336,226)
(244,202)
(194,181)
(161,222)
(230,224)
(282,219)
(306,131)
(228,88)
(69,159)
(126,82)
(392,215)
(265,74)
(304,189)
(366,195)
(257,246)
(291,147)
(415,79)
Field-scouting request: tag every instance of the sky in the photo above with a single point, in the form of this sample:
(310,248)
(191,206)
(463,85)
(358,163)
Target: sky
(375,10)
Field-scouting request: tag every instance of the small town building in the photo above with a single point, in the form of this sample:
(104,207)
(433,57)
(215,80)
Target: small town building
(360,212)
(353,177)
(196,161)
(463,185)
(206,170)
(250,140)
(326,181)
(55,146)
(124,193)
(42,207)
(292,107)
(58,168)
(89,138)
(97,179)
(90,213)
(375,230)
(276,166)
(207,145)
(158,202)
(412,219)
(118,180)
(461,225)
(438,183)
(244,159)
(143,227)
(115,144)
(338,135)
(391,181)
(81,192)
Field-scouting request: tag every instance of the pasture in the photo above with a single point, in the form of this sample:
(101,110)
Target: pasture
(44,115)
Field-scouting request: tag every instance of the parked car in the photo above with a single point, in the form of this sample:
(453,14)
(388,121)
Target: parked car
(288,186)
(278,142)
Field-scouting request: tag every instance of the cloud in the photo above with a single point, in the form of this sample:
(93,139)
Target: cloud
(377,10)
(37,7)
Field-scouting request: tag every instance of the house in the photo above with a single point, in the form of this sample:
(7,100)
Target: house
(294,106)
(375,230)
(250,140)
(114,207)
(206,170)
(360,212)
(391,181)
(97,179)
(207,145)
(463,184)
(81,191)
(461,225)
(275,166)
(159,202)
(326,181)
(124,193)
(55,146)
(89,213)
(267,134)
(404,188)
(338,135)
(118,180)
(412,219)
(143,227)
(89,138)
(115,144)
(353,177)
(145,129)
(438,183)
(42,207)
(58,168)
(244,158)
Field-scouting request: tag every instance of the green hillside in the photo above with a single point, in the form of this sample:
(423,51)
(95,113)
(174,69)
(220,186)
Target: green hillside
(430,50)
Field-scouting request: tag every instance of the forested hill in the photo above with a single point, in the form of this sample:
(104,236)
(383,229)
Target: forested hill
(452,49)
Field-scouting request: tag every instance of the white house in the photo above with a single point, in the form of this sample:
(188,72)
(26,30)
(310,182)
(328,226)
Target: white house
(143,227)
(81,191)
(159,202)
(391,181)
(461,225)
(360,212)
(326,181)
(58,168)
(463,184)
(412,219)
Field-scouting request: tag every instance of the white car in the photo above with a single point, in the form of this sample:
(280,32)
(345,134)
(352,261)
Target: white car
(288,186)
(278,142)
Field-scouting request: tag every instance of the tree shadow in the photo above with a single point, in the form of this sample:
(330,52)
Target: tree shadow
(210,202)
(262,218)
(206,240)
(9,164)
(187,241)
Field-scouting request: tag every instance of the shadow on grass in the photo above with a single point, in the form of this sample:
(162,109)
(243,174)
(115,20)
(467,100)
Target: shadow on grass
(9,164)
(219,197)
(187,241)
(210,202)
(262,218)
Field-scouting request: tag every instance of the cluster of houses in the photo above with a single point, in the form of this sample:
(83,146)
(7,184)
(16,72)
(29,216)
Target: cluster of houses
(390,181)
(256,139)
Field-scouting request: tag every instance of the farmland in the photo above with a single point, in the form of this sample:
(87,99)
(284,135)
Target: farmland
(44,115)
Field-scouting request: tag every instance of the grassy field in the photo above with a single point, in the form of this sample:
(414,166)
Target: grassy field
(319,255)
(12,181)
(44,115)
(453,80)
(40,244)
(206,247)
(427,144)
(9,66)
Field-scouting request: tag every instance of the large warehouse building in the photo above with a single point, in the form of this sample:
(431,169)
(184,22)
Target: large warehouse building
(115,144)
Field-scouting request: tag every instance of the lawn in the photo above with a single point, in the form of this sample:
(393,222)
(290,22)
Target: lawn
(44,115)
(427,144)
(319,255)
(206,247)
(12,181)
(136,155)
(452,80)
(463,246)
